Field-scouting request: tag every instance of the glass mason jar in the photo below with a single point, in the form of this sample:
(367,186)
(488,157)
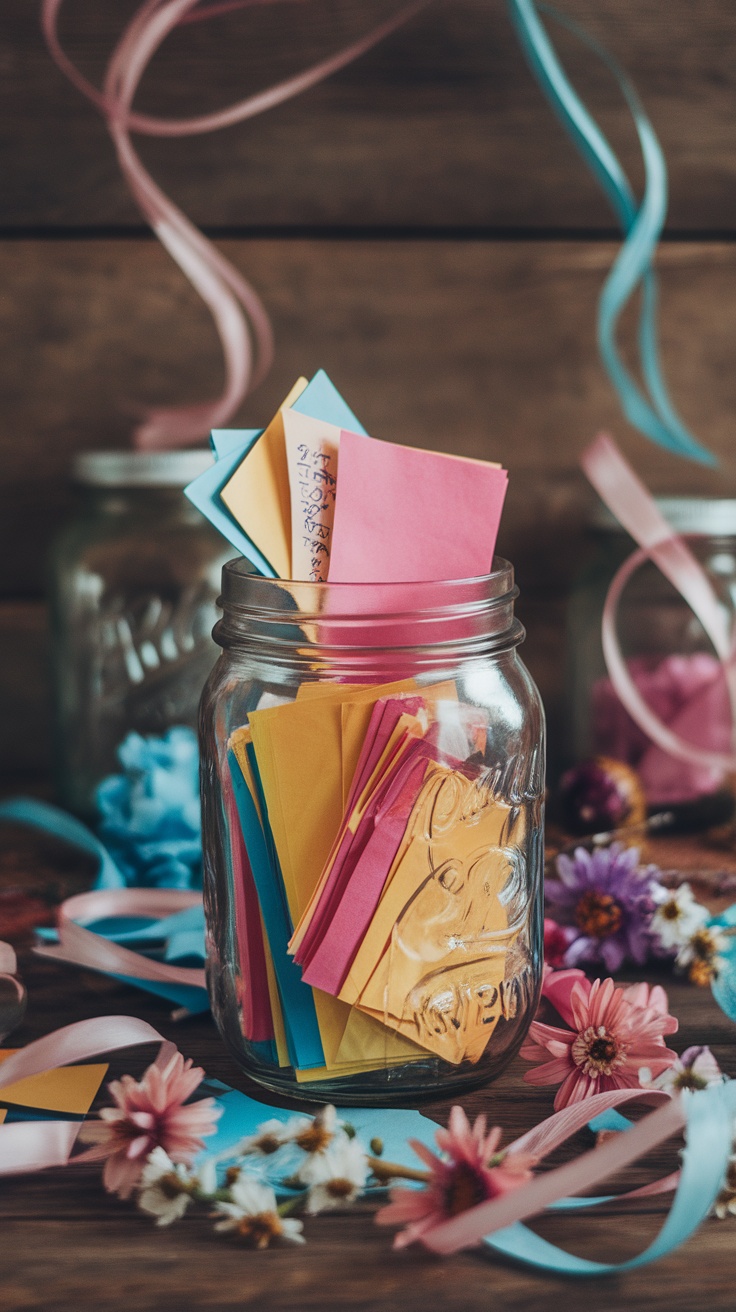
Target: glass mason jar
(133,583)
(669,655)
(372,803)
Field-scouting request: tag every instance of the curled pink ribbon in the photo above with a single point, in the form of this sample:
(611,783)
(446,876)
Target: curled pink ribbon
(628,499)
(35,1145)
(581,1173)
(82,947)
(240,318)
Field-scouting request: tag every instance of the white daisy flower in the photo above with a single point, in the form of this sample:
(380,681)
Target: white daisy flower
(253,1215)
(166,1188)
(695,1069)
(269,1137)
(701,955)
(335,1176)
(678,915)
(318,1132)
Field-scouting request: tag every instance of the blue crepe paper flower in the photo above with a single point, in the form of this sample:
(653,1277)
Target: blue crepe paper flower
(150,816)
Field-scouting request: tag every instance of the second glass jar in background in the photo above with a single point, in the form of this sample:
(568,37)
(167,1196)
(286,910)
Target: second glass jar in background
(669,655)
(418,920)
(133,582)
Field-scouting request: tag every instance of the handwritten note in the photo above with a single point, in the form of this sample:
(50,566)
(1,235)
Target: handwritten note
(311,455)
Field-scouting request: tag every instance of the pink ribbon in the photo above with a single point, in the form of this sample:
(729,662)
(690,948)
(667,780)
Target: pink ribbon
(35,1145)
(628,499)
(583,1172)
(82,947)
(239,315)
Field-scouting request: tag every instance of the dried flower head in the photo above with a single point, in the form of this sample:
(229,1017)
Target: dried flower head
(253,1215)
(150,1113)
(335,1176)
(701,955)
(607,897)
(609,1040)
(472,1171)
(677,916)
(695,1069)
(166,1188)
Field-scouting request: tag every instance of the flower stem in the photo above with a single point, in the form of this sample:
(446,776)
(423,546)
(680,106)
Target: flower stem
(392,1171)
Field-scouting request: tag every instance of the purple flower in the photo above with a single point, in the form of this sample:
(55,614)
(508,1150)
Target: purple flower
(607,897)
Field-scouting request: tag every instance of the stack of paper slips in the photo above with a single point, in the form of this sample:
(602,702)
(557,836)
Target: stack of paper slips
(374,920)
(313,497)
(371,858)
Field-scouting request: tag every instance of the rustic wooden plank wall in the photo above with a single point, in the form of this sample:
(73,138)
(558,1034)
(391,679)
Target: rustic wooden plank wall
(418,225)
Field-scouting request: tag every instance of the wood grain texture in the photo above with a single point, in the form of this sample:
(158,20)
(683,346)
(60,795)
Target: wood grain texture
(66,1246)
(483,348)
(441,125)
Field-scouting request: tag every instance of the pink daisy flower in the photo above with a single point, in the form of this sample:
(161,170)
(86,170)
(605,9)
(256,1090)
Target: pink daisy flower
(613,1033)
(149,1114)
(472,1171)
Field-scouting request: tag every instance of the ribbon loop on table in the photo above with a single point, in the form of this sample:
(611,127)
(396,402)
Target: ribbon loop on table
(708,1117)
(35,1145)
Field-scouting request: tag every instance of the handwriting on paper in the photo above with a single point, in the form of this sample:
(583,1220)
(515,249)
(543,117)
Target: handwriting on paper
(311,453)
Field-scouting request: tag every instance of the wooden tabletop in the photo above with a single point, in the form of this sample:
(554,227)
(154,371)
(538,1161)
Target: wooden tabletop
(64,1244)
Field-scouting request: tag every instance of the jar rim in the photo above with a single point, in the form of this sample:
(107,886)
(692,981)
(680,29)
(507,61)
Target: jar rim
(243,587)
(458,613)
(140,469)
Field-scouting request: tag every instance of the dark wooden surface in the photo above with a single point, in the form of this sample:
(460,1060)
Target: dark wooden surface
(484,348)
(66,1245)
(441,125)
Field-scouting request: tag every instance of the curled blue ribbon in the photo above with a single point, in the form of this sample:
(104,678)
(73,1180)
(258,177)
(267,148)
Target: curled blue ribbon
(654,415)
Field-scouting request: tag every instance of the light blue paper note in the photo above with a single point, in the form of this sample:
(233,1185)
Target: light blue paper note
(300,1017)
(204,493)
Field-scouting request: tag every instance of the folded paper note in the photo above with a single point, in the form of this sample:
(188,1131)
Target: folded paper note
(257,494)
(403,515)
(311,456)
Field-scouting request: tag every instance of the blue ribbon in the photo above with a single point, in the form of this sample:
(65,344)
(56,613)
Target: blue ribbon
(181,934)
(653,414)
(709,1139)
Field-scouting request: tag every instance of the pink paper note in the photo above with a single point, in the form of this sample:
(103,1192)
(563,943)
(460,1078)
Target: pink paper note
(350,849)
(404,515)
(385,716)
(256,1006)
(331,961)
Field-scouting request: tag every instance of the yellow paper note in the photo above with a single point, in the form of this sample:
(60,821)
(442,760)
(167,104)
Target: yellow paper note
(445,925)
(70,1089)
(257,495)
(299,752)
(277,1016)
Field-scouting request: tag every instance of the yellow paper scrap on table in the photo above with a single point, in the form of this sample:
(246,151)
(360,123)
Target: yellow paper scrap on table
(70,1089)
(258,495)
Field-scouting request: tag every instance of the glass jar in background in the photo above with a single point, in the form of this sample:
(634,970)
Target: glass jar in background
(669,655)
(422,917)
(133,582)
